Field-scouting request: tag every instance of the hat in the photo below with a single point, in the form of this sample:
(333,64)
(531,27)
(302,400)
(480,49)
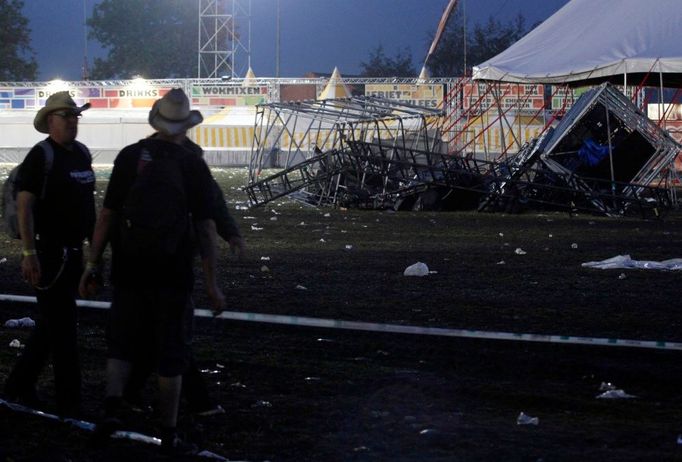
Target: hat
(56,101)
(171,114)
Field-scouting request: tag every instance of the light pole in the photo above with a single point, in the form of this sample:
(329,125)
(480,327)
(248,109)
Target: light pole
(85,73)
(277,38)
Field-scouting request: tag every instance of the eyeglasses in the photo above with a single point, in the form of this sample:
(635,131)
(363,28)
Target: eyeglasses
(67,114)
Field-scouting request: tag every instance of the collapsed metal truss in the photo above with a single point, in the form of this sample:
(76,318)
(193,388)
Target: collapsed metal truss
(374,153)
(312,140)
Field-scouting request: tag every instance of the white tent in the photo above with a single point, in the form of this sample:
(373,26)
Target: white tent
(335,87)
(226,136)
(590,41)
(249,79)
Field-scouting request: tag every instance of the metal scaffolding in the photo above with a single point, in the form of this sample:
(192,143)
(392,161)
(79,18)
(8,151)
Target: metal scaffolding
(327,147)
(605,157)
(224,37)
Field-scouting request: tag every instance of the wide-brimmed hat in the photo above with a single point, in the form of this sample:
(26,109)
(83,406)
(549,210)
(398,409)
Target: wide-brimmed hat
(171,114)
(56,101)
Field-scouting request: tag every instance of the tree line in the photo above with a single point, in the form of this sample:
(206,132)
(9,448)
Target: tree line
(157,39)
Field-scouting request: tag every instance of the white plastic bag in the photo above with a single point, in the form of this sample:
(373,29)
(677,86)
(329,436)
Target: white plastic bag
(418,269)
(525,419)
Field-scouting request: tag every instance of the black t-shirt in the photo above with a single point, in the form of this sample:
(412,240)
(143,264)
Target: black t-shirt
(65,214)
(177,273)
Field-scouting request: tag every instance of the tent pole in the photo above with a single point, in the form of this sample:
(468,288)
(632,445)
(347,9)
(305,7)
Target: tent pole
(661,106)
(625,82)
(519,140)
(608,133)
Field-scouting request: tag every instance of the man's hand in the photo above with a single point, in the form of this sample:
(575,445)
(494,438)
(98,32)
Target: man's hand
(91,281)
(237,246)
(30,269)
(217,299)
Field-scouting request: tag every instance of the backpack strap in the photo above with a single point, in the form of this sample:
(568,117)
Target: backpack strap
(49,160)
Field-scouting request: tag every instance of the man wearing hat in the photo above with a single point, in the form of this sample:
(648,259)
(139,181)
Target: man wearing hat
(152,306)
(56,212)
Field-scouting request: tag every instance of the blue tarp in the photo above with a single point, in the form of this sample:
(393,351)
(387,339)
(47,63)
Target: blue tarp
(591,153)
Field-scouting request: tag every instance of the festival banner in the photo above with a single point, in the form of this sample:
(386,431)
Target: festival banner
(424,95)
(17,98)
(565,97)
(486,134)
(484,96)
(121,97)
(130,98)
(229,95)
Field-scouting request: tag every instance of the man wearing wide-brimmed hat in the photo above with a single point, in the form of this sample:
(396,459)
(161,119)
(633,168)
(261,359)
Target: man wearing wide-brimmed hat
(152,306)
(56,213)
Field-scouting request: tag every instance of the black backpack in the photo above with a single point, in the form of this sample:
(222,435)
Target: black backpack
(9,189)
(155,222)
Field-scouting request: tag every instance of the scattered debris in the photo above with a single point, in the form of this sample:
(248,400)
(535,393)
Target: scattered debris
(418,269)
(262,403)
(22,322)
(625,262)
(606,386)
(524,419)
(615,394)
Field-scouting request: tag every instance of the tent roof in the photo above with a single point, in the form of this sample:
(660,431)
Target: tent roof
(335,87)
(249,79)
(590,41)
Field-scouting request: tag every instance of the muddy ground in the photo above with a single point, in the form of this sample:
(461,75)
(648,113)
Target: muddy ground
(297,393)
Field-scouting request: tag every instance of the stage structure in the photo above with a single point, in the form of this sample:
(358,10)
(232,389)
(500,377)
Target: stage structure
(604,156)
(224,38)
(354,148)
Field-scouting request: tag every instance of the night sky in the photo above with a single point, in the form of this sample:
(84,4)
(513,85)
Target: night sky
(316,35)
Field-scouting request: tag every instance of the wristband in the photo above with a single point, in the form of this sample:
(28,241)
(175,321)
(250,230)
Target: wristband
(91,265)
(29,252)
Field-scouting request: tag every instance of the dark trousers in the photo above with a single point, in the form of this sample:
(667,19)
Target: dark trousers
(151,323)
(194,387)
(55,332)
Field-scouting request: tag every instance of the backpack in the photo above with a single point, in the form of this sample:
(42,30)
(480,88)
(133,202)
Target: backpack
(9,188)
(9,192)
(155,222)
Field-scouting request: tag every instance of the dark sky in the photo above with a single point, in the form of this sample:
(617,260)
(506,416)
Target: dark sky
(316,35)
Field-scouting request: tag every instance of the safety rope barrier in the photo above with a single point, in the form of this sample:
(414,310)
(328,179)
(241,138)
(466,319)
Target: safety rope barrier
(398,328)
